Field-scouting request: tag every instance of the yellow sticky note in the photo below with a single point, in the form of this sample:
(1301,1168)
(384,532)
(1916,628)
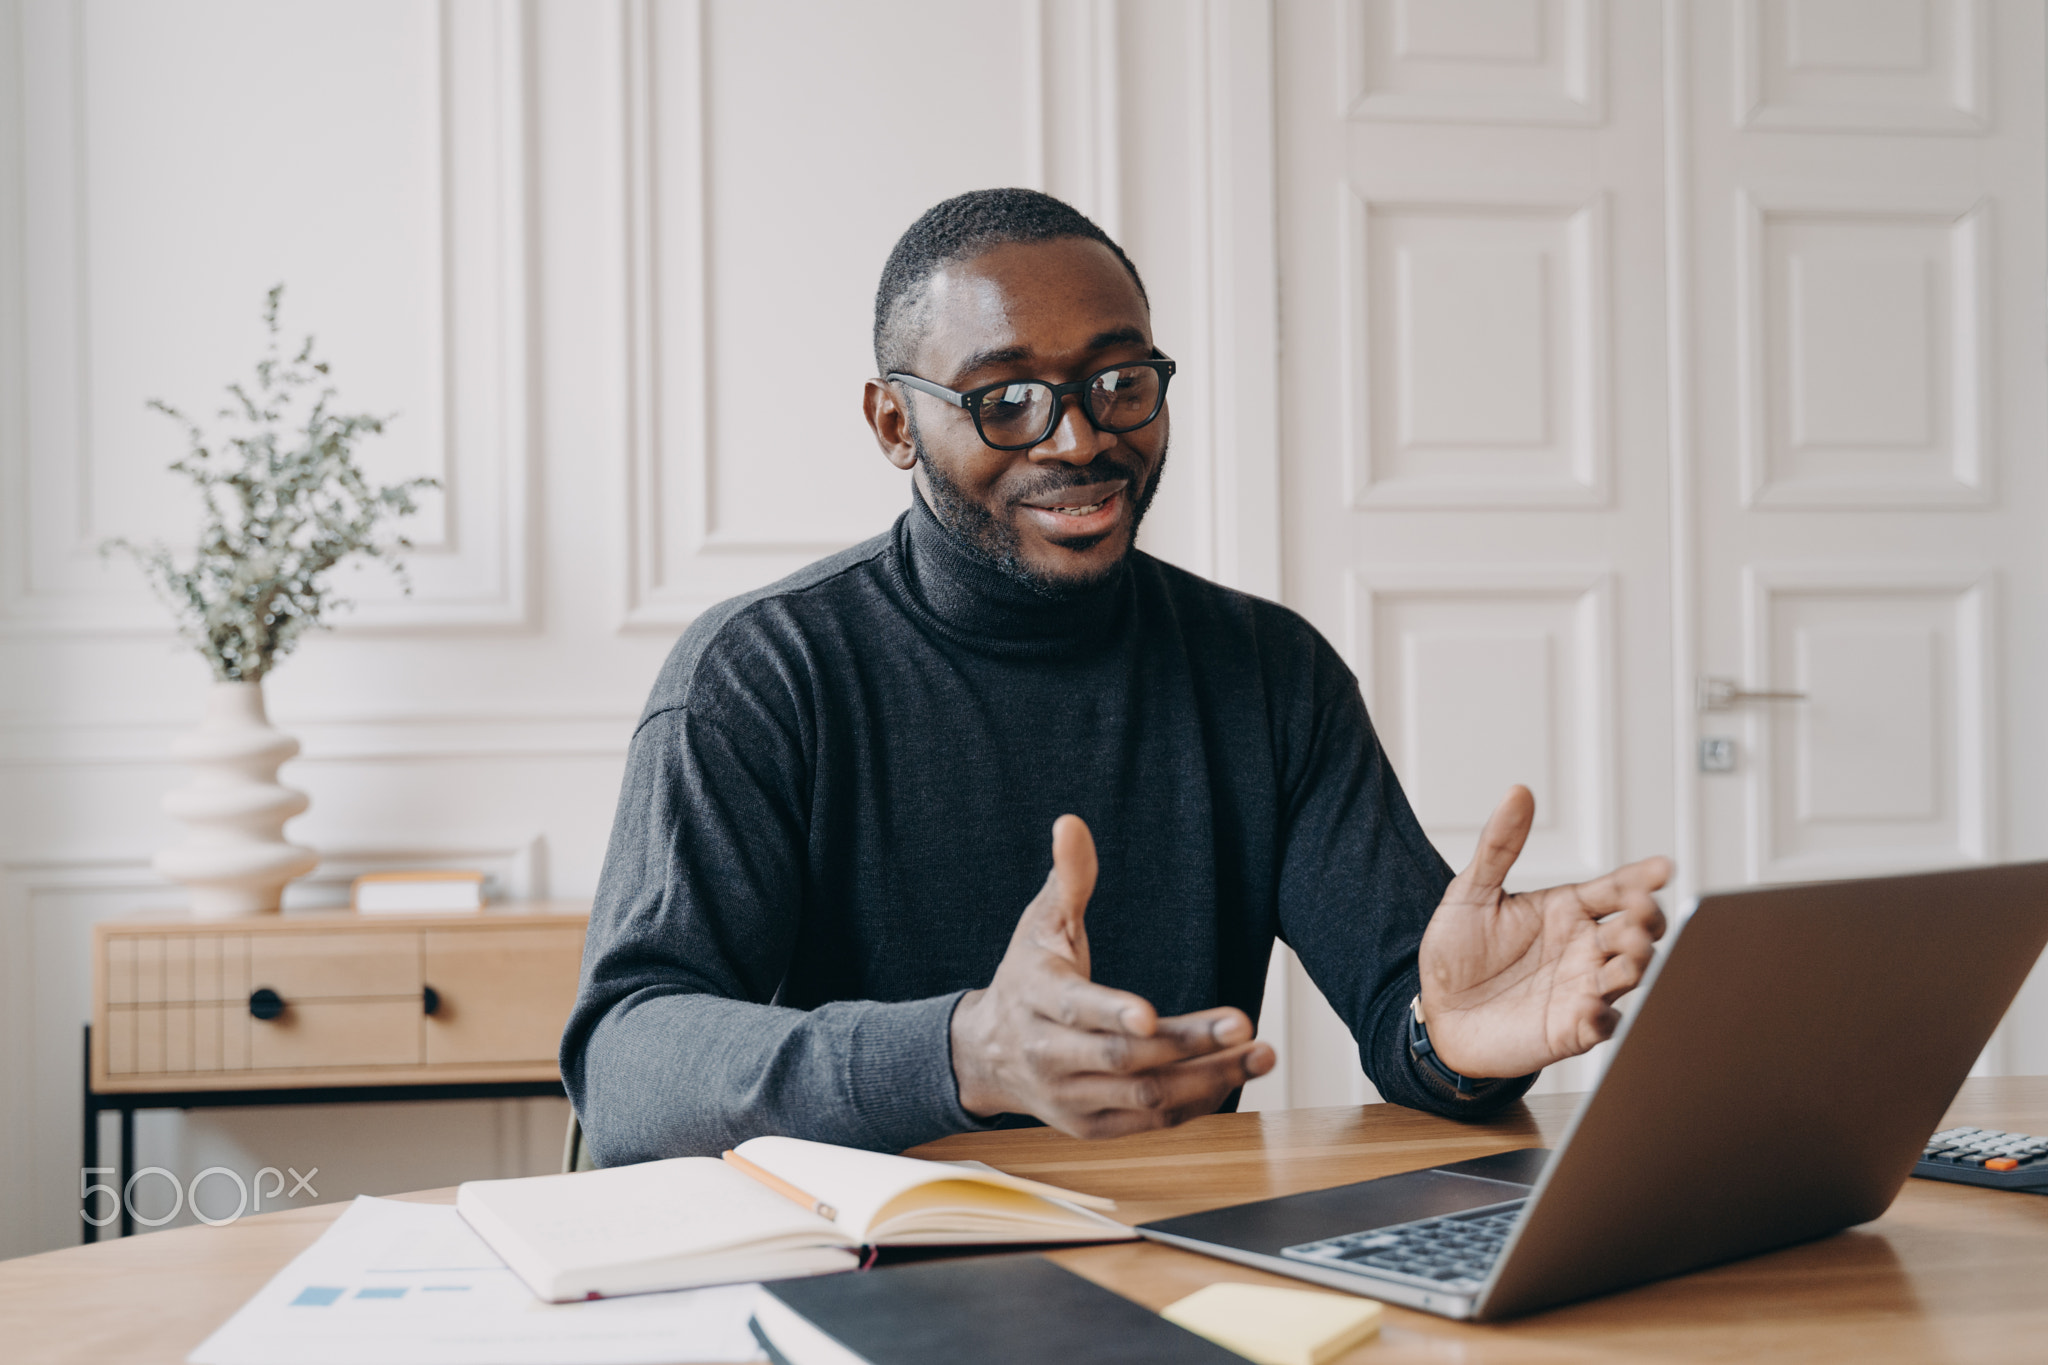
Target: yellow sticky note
(1277,1326)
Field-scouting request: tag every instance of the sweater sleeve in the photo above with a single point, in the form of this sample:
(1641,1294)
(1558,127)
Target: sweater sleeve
(1359,881)
(675,1046)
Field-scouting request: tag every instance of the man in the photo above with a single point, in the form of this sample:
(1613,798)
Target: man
(817,914)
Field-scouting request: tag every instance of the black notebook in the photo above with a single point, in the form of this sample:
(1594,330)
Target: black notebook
(986,1309)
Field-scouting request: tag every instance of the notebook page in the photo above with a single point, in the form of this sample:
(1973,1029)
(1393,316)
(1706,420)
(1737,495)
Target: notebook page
(860,1184)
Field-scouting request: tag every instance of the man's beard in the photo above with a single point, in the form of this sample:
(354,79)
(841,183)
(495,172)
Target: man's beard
(996,542)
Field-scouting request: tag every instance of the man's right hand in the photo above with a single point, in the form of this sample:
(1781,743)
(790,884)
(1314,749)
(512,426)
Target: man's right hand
(1043,1039)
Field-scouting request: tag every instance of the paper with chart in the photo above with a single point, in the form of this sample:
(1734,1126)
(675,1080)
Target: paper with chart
(409,1284)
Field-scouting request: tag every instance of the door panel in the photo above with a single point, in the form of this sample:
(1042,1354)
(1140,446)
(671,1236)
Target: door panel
(1864,337)
(1898,66)
(1475,354)
(1885,761)
(1495,61)
(1480,679)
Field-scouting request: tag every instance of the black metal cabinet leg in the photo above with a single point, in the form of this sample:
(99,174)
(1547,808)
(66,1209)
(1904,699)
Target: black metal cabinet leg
(127,1168)
(91,1154)
(126,1103)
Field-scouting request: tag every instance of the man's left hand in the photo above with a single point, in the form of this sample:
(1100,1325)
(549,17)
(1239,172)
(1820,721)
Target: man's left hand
(1512,983)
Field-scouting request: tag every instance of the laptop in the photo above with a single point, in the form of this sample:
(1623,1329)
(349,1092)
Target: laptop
(1793,1051)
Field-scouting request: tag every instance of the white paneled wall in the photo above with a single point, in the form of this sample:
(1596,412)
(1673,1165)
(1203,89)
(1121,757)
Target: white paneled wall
(386,184)
(612,267)
(1622,342)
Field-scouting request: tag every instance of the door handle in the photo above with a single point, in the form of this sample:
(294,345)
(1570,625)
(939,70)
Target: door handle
(1725,694)
(265,1003)
(430,1000)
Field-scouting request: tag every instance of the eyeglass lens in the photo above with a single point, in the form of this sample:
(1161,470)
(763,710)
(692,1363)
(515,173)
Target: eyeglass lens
(1022,413)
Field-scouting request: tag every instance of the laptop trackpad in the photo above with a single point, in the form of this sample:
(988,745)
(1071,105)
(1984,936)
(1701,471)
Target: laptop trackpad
(1267,1226)
(1524,1165)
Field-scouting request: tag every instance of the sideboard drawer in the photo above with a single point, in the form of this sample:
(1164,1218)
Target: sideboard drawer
(503,995)
(313,966)
(330,1033)
(177,1003)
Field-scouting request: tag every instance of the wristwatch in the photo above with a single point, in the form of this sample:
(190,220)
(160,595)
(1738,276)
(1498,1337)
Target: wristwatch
(1419,1047)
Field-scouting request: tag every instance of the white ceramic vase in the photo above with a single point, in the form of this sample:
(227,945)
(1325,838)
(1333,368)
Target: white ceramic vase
(235,858)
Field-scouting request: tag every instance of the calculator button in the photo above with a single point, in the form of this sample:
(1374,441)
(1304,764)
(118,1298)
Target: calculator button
(2001,1163)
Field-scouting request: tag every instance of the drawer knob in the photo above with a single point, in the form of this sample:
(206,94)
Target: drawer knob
(265,1003)
(430,1000)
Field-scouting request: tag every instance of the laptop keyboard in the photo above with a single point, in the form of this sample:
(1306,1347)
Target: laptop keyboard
(1454,1252)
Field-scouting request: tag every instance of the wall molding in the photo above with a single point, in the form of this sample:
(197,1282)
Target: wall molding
(515,867)
(1681,462)
(396,738)
(670,504)
(1238,310)
(472,570)
(14,333)
(1074,76)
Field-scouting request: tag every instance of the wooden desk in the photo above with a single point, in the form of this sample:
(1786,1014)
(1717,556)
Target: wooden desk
(1950,1273)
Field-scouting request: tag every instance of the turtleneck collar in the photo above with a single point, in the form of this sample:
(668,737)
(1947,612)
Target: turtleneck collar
(977,603)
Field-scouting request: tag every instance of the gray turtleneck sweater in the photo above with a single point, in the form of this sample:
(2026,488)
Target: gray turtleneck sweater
(840,798)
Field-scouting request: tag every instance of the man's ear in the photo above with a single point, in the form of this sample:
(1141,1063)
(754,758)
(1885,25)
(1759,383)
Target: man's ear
(890,421)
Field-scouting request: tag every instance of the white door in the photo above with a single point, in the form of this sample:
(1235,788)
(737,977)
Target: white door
(1473,419)
(1866,187)
(1627,347)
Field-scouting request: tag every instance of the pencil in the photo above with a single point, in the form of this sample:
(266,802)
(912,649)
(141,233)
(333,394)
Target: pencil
(779,1185)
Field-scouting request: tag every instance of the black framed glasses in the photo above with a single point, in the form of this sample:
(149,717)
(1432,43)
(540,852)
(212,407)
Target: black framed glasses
(1017,414)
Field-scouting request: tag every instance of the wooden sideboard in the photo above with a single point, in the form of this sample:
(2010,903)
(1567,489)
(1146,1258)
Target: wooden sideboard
(333,999)
(326,1007)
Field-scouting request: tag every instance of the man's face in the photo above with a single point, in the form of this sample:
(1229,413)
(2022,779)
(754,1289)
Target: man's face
(1063,514)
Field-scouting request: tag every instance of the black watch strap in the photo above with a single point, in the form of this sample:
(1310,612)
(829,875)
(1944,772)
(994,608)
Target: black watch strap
(1419,1047)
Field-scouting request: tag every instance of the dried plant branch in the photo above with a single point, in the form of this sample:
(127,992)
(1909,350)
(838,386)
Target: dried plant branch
(285,503)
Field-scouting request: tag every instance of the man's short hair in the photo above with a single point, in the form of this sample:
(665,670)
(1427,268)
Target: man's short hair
(955,230)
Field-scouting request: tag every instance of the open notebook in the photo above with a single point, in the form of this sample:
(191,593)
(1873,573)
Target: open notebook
(694,1220)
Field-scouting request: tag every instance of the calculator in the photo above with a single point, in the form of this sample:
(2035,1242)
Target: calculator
(1986,1156)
